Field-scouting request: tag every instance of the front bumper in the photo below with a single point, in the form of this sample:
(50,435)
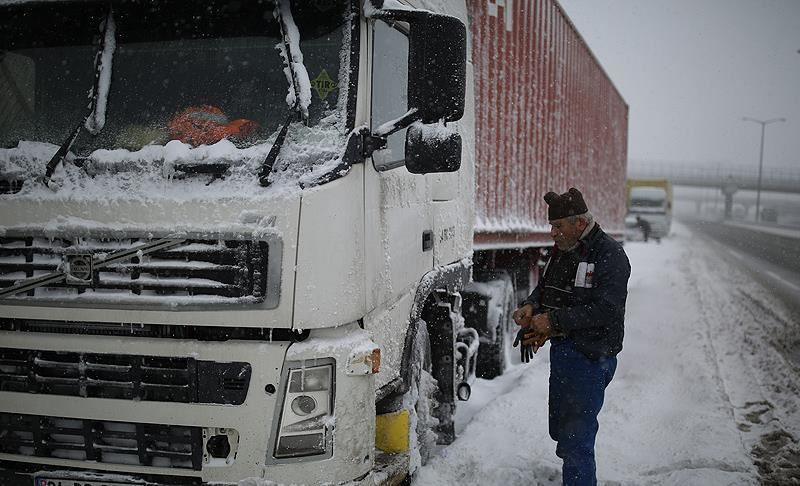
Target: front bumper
(23,474)
(390,469)
(252,420)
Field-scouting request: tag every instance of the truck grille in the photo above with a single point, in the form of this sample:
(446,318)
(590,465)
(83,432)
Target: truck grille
(196,271)
(125,377)
(161,331)
(101,441)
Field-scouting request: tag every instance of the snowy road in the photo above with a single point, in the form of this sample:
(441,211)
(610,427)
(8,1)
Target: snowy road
(772,255)
(703,393)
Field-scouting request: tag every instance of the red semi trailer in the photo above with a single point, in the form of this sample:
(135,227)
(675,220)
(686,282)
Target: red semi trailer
(547,117)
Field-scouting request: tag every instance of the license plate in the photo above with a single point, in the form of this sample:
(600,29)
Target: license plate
(76,482)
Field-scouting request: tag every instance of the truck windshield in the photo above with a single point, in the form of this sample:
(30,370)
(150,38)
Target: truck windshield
(196,72)
(648,197)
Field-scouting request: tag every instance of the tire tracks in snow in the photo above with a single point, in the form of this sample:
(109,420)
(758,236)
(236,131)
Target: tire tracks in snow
(760,381)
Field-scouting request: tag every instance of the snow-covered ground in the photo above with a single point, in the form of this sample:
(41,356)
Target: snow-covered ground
(703,393)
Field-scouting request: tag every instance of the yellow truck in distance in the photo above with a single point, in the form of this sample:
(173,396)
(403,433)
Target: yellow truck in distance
(651,200)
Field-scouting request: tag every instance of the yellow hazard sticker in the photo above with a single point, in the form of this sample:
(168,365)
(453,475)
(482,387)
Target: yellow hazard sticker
(323,84)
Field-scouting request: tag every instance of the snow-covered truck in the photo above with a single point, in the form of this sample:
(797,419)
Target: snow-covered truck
(243,240)
(651,200)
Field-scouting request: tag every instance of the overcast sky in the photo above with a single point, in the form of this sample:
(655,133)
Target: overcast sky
(691,69)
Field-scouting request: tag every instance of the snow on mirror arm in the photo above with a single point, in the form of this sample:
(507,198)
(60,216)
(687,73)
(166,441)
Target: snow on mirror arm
(197,88)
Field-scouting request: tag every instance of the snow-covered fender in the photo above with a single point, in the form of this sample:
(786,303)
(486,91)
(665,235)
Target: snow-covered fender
(451,278)
(352,428)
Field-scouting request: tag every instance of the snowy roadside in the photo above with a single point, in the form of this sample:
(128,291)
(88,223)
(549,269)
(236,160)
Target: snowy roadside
(702,392)
(775,230)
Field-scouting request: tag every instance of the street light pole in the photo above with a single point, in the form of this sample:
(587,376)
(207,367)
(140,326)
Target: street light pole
(763,124)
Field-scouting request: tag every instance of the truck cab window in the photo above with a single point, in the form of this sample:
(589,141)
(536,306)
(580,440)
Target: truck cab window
(16,88)
(389,89)
(190,71)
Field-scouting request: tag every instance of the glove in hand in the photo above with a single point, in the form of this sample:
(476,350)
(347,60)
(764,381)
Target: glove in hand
(526,350)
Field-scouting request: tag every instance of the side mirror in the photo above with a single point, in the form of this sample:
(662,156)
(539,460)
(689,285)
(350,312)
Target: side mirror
(432,148)
(437,63)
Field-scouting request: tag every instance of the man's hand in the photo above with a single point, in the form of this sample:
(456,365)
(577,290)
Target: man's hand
(537,332)
(541,324)
(529,341)
(523,315)
(531,338)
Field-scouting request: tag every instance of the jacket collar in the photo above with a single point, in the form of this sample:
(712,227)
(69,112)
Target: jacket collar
(587,230)
(594,234)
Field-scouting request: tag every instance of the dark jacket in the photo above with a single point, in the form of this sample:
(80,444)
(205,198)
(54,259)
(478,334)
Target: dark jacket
(643,225)
(594,314)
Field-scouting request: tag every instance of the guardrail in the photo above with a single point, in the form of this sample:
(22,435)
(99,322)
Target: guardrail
(685,174)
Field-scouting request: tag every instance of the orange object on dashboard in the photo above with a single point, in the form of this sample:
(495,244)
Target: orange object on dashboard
(206,124)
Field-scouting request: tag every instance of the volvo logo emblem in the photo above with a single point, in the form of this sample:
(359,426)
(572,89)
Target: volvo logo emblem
(79,268)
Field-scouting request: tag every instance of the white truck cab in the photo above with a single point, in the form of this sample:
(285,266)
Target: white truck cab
(653,204)
(245,248)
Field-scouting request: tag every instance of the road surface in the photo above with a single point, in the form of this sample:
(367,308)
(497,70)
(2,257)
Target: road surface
(769,255)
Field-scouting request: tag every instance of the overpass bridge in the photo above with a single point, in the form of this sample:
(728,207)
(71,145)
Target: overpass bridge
(781,179)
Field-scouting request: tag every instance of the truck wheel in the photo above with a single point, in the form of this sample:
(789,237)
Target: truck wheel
(492,355)
(420,400)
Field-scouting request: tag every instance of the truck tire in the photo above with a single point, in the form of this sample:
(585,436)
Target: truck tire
(492,356)
(445,319)
(421,400)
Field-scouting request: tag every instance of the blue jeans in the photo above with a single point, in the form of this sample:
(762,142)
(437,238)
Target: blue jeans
(577,387)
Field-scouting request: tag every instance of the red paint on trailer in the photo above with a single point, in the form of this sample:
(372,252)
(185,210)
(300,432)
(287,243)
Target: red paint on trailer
(547,117)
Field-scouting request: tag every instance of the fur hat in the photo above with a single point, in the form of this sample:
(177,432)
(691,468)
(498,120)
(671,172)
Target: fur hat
(564,205)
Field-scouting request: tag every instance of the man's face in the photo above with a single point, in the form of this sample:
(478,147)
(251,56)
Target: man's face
(565,234)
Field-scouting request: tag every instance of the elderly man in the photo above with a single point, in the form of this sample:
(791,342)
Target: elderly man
(579,305)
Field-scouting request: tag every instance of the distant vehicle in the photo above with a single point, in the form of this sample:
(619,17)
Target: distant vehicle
(651,199)
(769,215)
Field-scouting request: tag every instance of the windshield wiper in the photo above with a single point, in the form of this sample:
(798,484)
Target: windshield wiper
(272,156)
(94,120)
(300,94)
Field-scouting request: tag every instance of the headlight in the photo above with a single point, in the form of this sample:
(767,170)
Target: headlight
(307,412)
(303,405)
(310,379)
